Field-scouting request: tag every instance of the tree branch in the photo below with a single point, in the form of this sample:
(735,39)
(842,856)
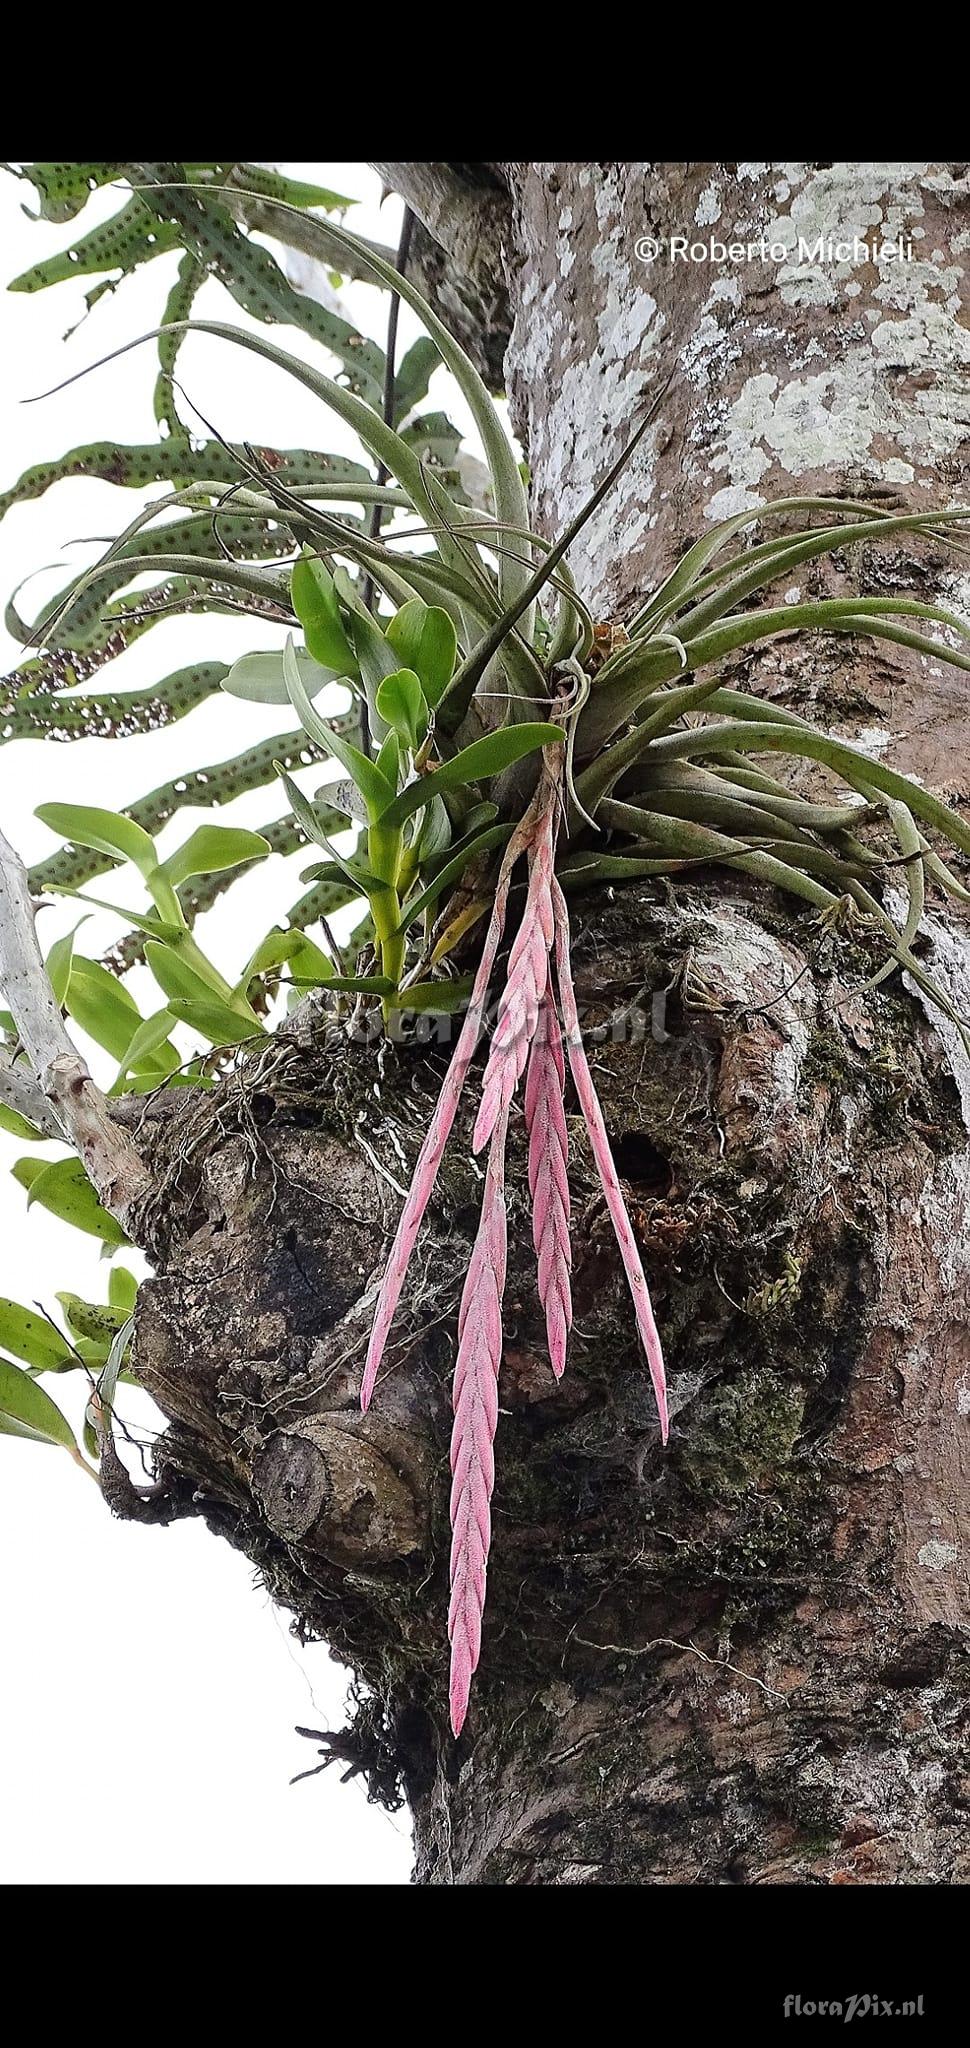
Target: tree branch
(306,233)
(465,212)
(20,1091)
(79,1109)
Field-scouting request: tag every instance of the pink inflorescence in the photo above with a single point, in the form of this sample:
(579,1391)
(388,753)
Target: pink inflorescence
(527,1031)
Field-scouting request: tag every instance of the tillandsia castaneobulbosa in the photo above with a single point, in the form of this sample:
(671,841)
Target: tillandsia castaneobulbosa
(527,1031)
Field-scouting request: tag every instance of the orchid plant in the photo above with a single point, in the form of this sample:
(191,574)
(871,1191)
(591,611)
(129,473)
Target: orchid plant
(481,726)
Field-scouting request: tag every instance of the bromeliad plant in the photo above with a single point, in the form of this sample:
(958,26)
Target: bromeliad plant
(527,1030)
(480,727)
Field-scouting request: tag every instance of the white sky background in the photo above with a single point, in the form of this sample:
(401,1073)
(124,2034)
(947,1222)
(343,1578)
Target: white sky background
(146,1659)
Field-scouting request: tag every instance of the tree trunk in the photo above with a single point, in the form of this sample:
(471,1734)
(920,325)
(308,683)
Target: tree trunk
(742,1659)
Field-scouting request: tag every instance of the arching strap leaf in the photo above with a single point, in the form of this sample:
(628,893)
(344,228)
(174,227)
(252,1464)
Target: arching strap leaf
(178,461)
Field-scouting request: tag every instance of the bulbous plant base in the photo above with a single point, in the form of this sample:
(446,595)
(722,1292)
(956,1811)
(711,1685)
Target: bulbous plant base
(736,1660)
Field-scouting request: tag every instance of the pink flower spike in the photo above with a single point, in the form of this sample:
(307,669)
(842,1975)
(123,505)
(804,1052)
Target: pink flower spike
(432,1151)
(545,1118)
(526,979)
(600,1144)
(475,1401)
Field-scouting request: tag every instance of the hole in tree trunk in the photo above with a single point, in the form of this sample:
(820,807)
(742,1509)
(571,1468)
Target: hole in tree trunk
(638,1161)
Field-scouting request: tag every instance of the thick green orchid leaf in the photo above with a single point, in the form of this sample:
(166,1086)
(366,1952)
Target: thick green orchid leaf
(260,679)
(106,1010)
(212,848)
(27,1334)
(402,704)
(147,1040)
(484,758)
(275,950)
(315,604)
(180,979)
(423,636)
(95,1320)
(122,1289)
(452,871)
(64,1188)
(215,1021)
(362,771)
(105,831)
(27,1410)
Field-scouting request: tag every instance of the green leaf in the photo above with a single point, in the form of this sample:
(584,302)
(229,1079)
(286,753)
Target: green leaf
(133,466)
(26,1170)
(101,1004)
(345,876)
(443,996)
(413,375)
(177,978)
(149,1039)
(66,1191)
(19,1126)
(214,1020)
(253,275)
(475,763)
(211,848)
(452,872)
(279,946)
(122,1288)
(148,921)
(315,604)
(29,1335)
(96,1320)
(58,964)
(129,238)
(273,185)
(401,703)
(106,831)
(389,759)
(511,506)
(63,189)
(178,306)
(356,873)
(375,659)
(425,639)
(259,678)
(31,714)
(375,791)
(27,1410)
(108,1382)
(434,835)
(356,984)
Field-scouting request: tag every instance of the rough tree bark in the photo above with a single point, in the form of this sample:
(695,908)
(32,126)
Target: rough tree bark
(743,1660)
